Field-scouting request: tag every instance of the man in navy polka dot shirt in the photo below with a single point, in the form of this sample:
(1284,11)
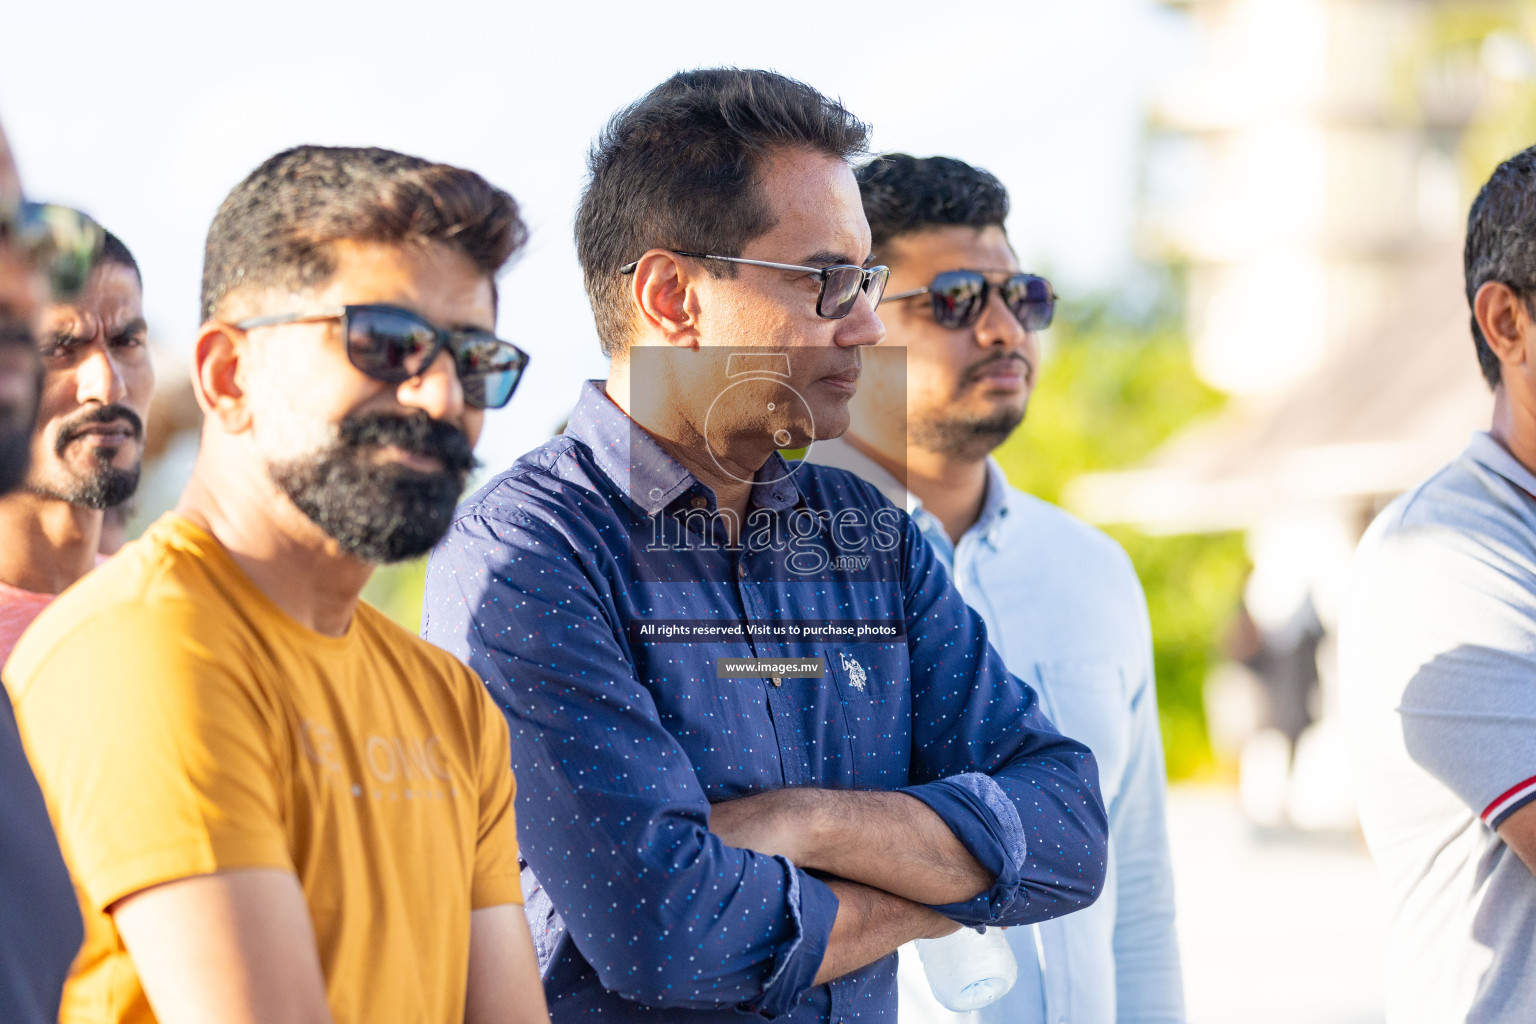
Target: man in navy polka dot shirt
(760,740)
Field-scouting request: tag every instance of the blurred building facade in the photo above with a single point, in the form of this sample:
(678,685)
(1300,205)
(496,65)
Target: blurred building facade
(1299,165)
(1302,170)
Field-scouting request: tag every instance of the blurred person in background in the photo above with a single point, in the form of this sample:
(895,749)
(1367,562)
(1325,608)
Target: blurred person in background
(87,442)
(1437,655)
(22,295)
(762,842)
(40,927)
(1061,600)
(277,804)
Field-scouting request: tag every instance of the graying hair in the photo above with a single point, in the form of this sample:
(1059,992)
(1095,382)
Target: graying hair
(1501,243)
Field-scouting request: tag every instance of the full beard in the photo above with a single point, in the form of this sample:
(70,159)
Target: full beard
(380,512)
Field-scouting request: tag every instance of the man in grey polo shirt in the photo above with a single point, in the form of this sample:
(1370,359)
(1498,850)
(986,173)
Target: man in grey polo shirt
(1438,665)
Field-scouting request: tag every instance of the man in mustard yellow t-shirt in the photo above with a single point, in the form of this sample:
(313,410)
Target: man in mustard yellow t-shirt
(277,805)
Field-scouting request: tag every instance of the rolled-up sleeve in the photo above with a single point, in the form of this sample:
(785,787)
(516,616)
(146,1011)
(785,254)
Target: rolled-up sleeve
(611,816)
(1022,798)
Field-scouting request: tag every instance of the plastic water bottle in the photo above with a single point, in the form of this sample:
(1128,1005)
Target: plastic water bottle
(969,969)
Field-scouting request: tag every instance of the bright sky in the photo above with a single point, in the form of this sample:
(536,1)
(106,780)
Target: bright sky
(145,115)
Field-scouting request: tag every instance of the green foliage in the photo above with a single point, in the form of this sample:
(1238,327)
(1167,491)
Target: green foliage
(1193,584)
(1113,387)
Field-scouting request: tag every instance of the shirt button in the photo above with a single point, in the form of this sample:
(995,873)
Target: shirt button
(777,680)
(699,501)
(741,570)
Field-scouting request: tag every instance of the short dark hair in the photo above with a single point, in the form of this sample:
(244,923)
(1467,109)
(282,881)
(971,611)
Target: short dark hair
(114,251)
(277,227)
(1501,243)
(678,169)
(904,193)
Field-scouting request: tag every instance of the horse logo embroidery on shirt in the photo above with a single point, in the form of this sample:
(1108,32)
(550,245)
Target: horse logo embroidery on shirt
(856,676)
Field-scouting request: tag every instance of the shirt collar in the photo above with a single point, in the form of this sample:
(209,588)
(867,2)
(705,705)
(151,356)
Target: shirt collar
(1485,450)
(628,455)
(994,509)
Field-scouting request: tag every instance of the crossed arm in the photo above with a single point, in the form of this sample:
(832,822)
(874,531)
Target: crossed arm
(238,947)
(889,852)
(890,841)
(872,923)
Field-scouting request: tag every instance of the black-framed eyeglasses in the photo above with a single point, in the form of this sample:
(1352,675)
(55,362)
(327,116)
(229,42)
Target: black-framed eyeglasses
(57,240)
(393,345)
(959,296)
(841,283)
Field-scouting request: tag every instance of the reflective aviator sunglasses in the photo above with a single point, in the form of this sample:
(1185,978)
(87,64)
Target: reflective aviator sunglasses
(393,345)
(960,296)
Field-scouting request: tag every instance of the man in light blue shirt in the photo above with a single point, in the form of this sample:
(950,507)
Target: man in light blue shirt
(1060,600)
